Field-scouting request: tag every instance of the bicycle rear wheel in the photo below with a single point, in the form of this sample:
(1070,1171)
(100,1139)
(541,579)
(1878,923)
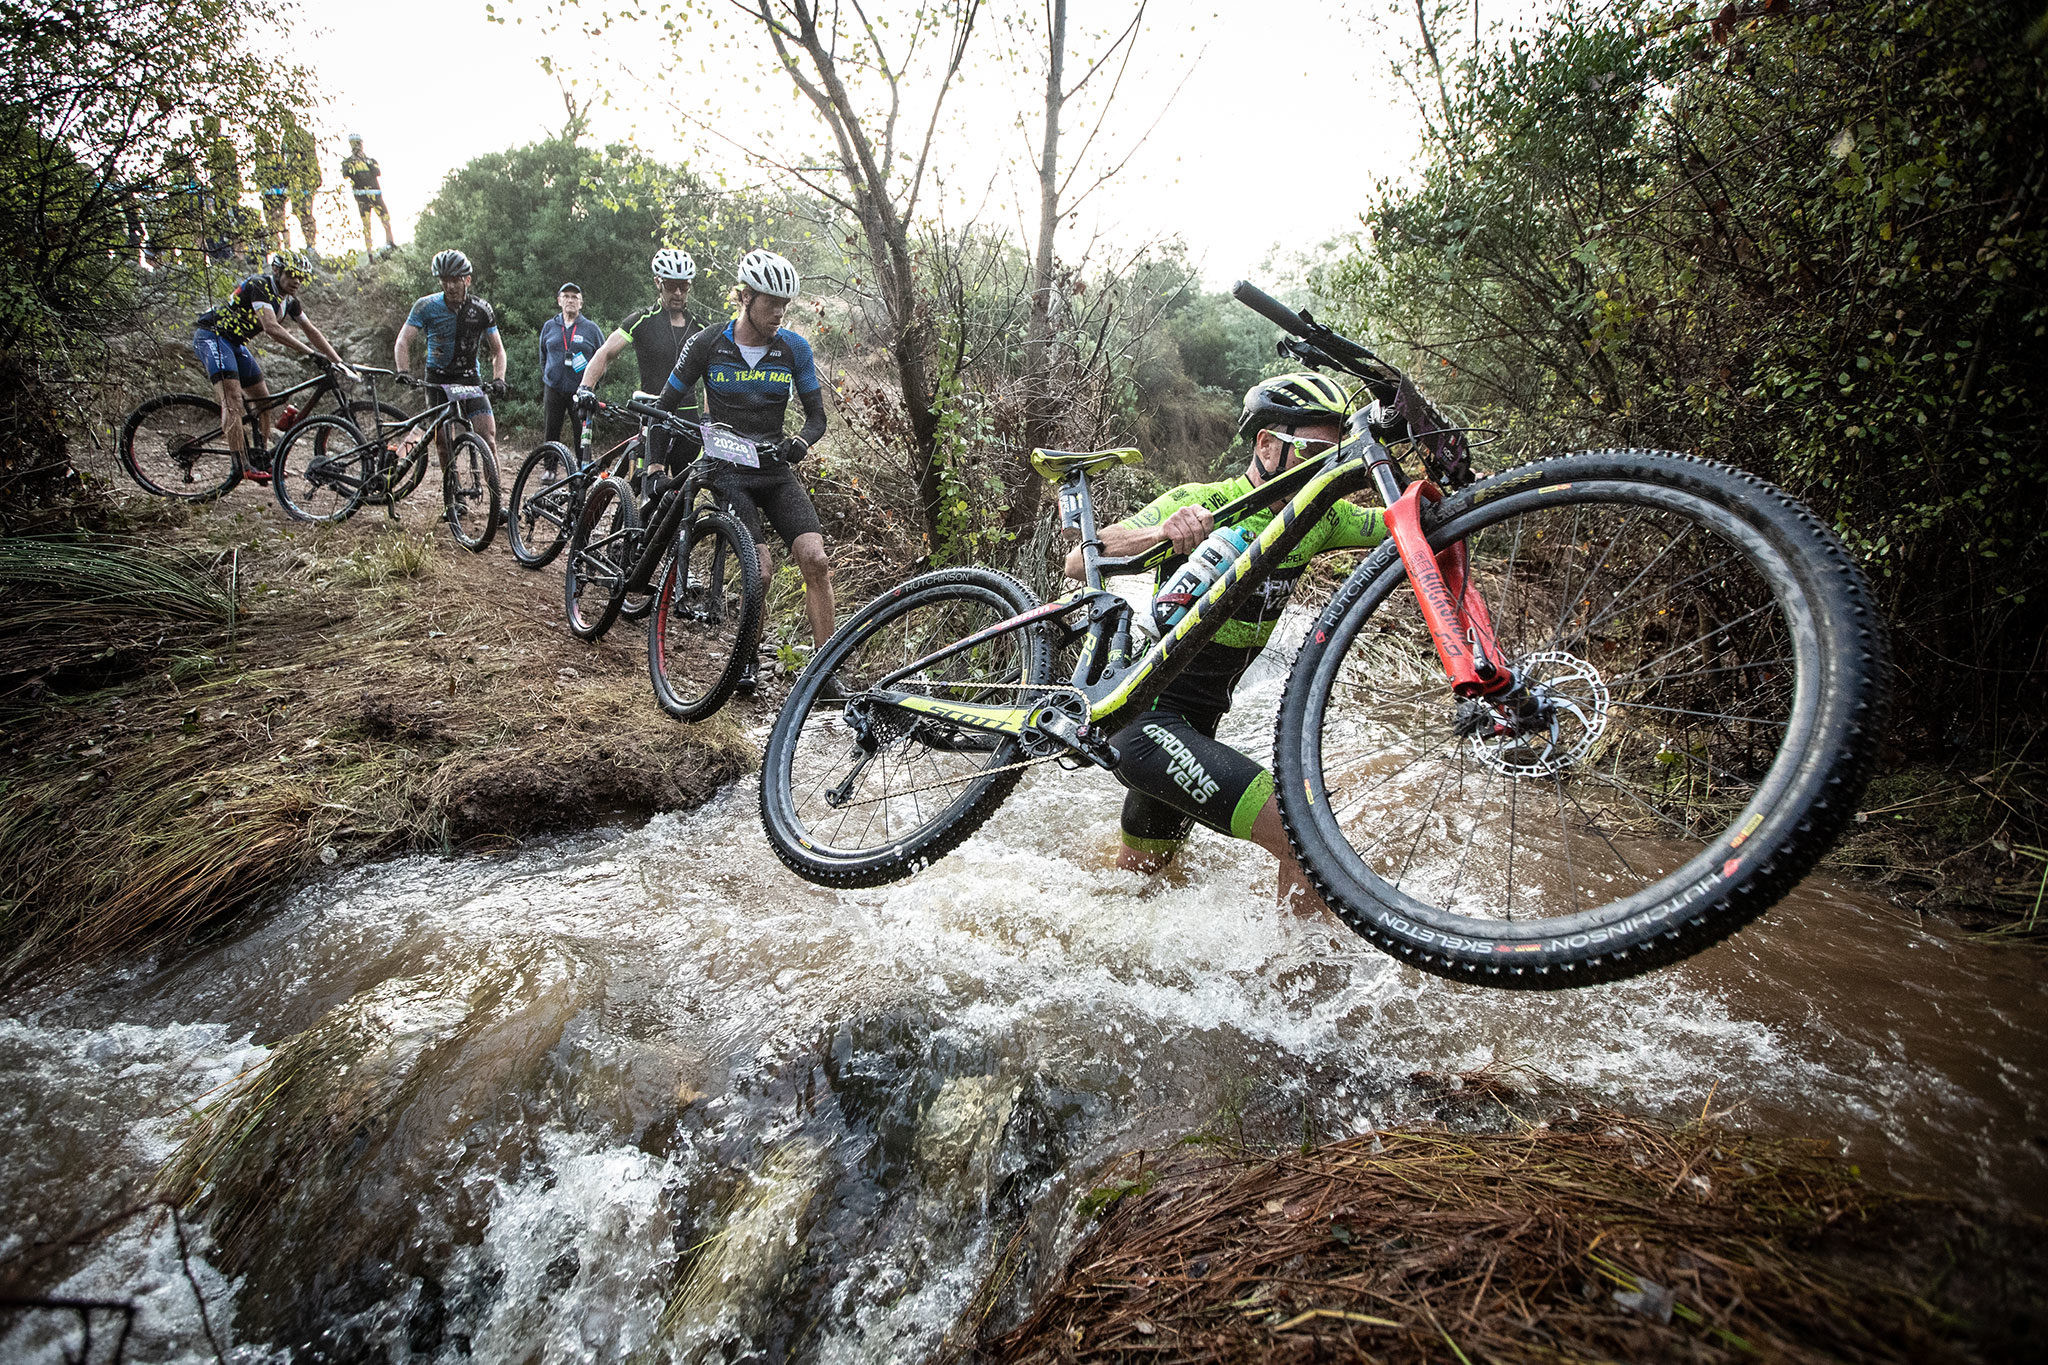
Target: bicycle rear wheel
(706,622)
(320,470)
(1700,681)
(172,446)
(469,487)
(601,552)
(543,505)
(856,792)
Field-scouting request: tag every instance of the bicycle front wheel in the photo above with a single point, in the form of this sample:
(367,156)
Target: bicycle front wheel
(1699,683)
(601,552)
(543,505)
(321,468)
(172,446)
(706,621)
(470,490)
(856,792)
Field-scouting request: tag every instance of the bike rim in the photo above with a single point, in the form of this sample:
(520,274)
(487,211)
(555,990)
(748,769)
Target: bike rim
(1671,686)
(854,799)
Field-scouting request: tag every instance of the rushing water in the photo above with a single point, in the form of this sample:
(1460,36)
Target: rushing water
(651,1096)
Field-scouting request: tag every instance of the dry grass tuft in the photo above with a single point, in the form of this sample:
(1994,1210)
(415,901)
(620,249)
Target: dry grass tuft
(1601,1238)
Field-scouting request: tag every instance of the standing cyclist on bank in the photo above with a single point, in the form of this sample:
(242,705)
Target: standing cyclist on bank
(457,326)
(220,338)
(568,341)
(657,334)
(750,368)
(1176,770)
(366,183)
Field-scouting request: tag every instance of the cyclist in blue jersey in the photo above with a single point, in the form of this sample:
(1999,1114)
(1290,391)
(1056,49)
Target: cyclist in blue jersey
(750,368)
(457,326)
(1174,768)
(221,335)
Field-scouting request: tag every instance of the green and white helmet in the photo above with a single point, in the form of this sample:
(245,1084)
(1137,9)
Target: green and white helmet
(1293,400)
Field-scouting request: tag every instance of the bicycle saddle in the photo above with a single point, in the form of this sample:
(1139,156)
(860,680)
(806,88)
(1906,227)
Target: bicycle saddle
(1055,464)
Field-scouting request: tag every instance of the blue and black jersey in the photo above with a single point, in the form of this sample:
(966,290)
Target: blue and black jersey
(453,336)
(235,320)
(750,398)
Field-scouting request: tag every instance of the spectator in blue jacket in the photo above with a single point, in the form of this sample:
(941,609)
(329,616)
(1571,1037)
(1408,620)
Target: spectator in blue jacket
(567,342)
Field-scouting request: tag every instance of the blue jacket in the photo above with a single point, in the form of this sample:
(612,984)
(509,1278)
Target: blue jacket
(564,353)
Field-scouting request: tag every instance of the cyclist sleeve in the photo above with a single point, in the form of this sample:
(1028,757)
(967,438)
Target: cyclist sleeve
(803,366)
(813,400)
(1353,527)
(681,389)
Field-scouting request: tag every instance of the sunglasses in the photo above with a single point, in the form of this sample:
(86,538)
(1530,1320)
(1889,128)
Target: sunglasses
(1308,447)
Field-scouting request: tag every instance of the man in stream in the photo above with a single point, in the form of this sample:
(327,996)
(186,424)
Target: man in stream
(1175,769)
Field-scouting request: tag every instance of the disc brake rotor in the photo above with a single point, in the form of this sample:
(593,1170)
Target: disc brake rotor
(1551,721)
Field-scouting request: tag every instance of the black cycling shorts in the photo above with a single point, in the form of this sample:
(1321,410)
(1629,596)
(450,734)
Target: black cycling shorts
(776,494)
(1177,772)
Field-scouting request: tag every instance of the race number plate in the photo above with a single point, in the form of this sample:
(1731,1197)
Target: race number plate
(461,393)
(721,444)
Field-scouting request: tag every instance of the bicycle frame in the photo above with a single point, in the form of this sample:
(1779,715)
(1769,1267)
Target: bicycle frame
(1458,620)
(678,502)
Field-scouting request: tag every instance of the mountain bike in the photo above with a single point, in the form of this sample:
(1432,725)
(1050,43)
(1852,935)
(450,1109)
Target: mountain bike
(704,615)
(549,489)
(172,444)
(1578,720)
(325,469)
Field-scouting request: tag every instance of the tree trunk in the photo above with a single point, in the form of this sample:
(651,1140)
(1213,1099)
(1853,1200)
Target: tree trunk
(1040,416)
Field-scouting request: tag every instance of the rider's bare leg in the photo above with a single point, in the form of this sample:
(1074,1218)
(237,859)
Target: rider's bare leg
(257,392)
(809,553)
(231,429)
(1293,888)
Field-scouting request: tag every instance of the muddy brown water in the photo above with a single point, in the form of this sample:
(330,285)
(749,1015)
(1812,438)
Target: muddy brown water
(652,1097)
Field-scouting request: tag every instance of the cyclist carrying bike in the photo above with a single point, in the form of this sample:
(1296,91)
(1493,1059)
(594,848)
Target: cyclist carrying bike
(221,335)
(457,326)
(1175,769)
(750,368)
(657,334)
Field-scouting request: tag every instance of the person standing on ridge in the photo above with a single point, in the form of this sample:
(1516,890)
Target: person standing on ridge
(1174,768)
(656,333)
(750,368)
(458,326)
(567,342)
(366,183)
(271,189)
(302,176)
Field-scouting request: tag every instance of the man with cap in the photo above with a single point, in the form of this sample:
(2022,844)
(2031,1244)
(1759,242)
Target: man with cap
(568,341)
(365,182)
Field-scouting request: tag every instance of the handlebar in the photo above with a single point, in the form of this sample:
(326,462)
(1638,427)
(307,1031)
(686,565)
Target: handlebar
(1268,307)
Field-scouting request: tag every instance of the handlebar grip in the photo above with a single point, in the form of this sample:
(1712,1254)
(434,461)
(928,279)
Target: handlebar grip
(1268,307)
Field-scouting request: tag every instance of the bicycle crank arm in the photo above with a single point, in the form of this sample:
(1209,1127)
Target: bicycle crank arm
(1459,624)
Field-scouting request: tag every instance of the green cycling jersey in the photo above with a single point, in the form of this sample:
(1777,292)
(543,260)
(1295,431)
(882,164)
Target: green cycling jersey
(1205,686)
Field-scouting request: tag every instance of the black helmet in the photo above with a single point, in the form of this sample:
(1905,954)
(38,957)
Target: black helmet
(448,264)
(1293,400)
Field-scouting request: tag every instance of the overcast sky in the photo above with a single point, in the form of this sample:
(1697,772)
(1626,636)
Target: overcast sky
(1285,114)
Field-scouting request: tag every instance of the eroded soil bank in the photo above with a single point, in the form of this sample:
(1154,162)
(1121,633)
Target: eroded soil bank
(308,695)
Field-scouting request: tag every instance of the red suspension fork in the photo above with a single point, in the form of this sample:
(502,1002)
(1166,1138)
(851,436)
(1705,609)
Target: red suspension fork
(1459,623)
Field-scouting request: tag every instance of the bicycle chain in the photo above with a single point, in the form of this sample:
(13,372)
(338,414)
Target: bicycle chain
(979,774)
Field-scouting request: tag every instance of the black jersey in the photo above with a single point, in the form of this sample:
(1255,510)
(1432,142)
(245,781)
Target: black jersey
(657,343)
(235,320)
(362,174)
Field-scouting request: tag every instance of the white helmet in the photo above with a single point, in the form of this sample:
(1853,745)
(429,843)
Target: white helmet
(764,272)
(672,264)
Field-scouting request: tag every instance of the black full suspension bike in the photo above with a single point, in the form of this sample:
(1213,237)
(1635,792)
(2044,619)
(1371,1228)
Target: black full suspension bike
(693,565)
(172,445)
(325,470)
(1578,720)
